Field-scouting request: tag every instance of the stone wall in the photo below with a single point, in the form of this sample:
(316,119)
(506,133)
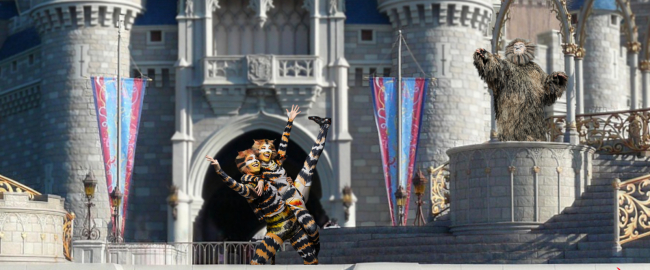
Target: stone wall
(602,53)
(74,48)
(147,219)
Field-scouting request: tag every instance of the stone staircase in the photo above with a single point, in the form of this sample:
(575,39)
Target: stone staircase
(434,245)
(582,233)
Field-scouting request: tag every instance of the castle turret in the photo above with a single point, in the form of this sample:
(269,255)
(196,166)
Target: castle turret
(442,37)
(602,53)
(79,40)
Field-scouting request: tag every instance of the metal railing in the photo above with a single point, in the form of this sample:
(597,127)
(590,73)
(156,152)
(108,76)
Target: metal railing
(619,132)
(188,253)
(632,198)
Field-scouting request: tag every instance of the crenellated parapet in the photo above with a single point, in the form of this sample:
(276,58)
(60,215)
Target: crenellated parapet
(465,13)
(49,15)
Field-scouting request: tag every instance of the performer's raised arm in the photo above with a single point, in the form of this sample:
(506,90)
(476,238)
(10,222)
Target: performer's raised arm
(246,190)
(554,85)
(490,68)
(284,142)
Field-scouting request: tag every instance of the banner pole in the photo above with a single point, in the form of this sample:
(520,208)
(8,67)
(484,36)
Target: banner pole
(399,123)
(119,129)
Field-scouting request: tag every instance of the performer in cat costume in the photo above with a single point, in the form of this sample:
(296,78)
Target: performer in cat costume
(295,195)
(281,223)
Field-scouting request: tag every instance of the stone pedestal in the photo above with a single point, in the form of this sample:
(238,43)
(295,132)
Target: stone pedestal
(31,228)
(503,187)
(88,251)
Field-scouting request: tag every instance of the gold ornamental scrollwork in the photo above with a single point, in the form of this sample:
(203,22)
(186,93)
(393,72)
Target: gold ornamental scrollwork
(9,185)
(634,209)
(563,25)
(439,179)
(555,127)
(620,132)
(67,236)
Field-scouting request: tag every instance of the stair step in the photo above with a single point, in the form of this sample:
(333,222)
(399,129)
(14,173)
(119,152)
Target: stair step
(597,253)
(605,209)
(590,260)
(584,217)
(576,230)
(596,245)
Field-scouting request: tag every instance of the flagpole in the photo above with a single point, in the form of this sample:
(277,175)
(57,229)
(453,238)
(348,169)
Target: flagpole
(399,125)
(119,133)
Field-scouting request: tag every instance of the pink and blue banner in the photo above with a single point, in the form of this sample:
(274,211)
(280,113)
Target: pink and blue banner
(132,95)
(385,103)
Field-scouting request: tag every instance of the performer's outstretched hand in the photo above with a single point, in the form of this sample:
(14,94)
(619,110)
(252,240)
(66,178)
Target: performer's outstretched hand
(294,112)
(481,52)
(259,188)
(213,162)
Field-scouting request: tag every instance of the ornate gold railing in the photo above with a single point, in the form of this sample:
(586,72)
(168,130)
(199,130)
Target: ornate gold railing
(439,181)
(67,235)
(619,132)
(633,209)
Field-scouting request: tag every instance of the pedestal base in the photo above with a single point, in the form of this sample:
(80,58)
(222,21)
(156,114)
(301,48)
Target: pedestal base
(514,186)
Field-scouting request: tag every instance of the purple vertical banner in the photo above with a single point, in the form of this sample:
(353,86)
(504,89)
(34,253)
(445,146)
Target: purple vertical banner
(414,92)
(105,96)
(384,97)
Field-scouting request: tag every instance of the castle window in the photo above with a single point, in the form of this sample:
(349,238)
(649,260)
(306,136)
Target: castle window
(155,36)
(613,20)
(14,66)
(151,73)
(165,77)
(386,72)
(358,76)
(31,59)
(366,36)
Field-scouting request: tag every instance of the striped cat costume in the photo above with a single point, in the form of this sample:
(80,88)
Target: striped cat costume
(281,223)
(297,194)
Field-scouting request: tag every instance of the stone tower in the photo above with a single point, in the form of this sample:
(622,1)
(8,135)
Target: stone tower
(443,36)
(602,53)
(79,40)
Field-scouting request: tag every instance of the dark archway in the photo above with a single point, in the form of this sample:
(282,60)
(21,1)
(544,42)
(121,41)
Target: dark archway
(227,216)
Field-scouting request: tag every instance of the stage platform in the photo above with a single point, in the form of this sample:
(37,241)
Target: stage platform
(359,266)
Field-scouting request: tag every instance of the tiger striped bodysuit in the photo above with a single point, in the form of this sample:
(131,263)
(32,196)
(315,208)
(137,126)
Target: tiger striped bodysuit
(297,194)
(281,223)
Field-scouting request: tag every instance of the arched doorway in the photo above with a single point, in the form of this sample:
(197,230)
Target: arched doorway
(227,216)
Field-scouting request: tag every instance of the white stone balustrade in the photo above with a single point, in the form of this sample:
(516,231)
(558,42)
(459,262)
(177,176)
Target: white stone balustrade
(262,70)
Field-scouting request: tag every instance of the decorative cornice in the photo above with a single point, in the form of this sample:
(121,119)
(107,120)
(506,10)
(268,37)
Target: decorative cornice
(633,47)
(644,65)
(56,16)
(569,49)
(580,53)
(402,13)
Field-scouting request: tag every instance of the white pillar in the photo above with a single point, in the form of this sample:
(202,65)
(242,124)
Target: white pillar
(571,135)
(580,94)
(182,138)
(634,56)
(645,69)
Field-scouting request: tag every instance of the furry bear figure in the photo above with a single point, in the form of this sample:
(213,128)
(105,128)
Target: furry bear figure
(521,90)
